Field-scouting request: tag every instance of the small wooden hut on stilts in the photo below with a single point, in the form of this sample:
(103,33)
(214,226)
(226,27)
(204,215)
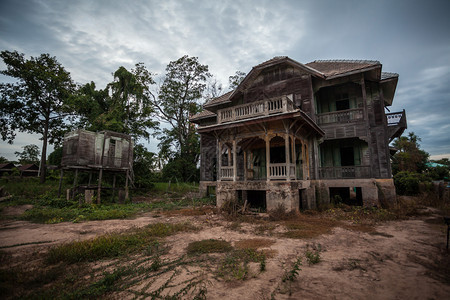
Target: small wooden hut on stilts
(97,152)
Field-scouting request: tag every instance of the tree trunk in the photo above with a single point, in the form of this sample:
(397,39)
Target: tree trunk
(44,153)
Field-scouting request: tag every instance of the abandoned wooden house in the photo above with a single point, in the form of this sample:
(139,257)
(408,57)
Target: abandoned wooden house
(302,135)
(97,152)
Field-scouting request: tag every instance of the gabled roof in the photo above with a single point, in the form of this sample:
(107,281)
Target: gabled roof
(202,115)
(339,67)
(388,75)
(221,99)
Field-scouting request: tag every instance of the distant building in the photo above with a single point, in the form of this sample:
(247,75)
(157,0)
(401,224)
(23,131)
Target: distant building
(302,135)
(6,169)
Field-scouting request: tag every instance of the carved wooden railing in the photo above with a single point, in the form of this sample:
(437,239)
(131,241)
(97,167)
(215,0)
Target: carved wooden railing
(279,171)
(254,109)
(396,118)
(226,173)
(341,116)
(344,172)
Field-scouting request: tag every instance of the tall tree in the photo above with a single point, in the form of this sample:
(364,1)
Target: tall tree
(36,102)
(409,156)
(125,105)
(235,80)
(179,98)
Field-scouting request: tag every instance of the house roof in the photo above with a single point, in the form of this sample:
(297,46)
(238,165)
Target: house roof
(388,75)
(7,166)
(202,115)
(326,69)
(221,99)
(28,167)
(341,66)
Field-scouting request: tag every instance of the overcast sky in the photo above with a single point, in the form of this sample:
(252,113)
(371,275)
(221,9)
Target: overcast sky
(92,39)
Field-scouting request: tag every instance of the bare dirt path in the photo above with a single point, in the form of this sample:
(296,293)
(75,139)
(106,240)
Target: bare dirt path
(399,260)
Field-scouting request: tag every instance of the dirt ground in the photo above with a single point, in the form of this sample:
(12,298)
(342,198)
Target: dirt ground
(397,260)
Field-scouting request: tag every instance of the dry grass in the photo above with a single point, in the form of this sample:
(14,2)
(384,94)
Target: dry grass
(253,243)
(303,226)
(196,211)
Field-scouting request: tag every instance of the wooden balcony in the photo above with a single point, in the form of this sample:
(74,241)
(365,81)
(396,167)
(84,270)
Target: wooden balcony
(344,172)
(226,173)
(341,116)
(396,124)
(255,109)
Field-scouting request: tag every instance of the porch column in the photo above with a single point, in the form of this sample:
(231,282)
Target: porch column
(234,161)
(219,163)
(294,158)
(245,165)
(288,157)
(267,157)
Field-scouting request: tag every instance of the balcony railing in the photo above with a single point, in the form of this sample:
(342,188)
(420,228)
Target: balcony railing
(279,171)
(396,118)
(254,109)
(344,172)
(226,173)
(341,116)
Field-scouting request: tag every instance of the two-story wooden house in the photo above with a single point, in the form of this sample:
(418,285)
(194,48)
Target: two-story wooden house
(302,135)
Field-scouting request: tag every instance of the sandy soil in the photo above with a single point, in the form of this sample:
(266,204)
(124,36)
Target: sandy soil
(399,260)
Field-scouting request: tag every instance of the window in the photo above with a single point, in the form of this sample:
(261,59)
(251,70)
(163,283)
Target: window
(342,101)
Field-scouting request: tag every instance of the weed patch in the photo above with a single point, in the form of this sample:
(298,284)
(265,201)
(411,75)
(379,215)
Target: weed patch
(235,265)
(208,246)
(253,243)
(308,227)
(313,255)
(113,245)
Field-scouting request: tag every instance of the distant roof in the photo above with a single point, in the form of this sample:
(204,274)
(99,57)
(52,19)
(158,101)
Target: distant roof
(341,66)
(29,167)
(6,165)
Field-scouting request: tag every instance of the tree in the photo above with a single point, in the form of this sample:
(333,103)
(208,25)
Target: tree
(3,160)
(235,80)
(179,98)
(37,101)
(125,105)
(29,155)
(409,156)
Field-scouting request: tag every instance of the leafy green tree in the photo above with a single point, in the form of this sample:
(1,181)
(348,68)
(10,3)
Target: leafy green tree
(144,166)
(235,80)
(125,105)
(29,155)
(55,157)
(409,156)
(179,98)
(3,160)
(37,101)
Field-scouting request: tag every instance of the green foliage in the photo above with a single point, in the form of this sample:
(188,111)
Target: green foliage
(112,245)
(29,155)
(236,79)
(55,157)
(292,274)
(409,156)
(408,183)
(178,99)
(37,101)
(123,106)
(313,255)
(144,166)
(235,264)
(3,160)
(208,246)
(439,172)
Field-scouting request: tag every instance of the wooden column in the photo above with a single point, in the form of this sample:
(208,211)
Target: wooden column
(99,187)
(219,162)
(288,157)
(294,157)
(234,160)
(245,165)
(267,157)
(126,184)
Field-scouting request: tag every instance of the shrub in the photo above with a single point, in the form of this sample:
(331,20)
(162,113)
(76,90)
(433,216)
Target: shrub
(408,183)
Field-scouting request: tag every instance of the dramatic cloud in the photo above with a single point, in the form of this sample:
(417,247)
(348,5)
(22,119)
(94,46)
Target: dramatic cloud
(93,38)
